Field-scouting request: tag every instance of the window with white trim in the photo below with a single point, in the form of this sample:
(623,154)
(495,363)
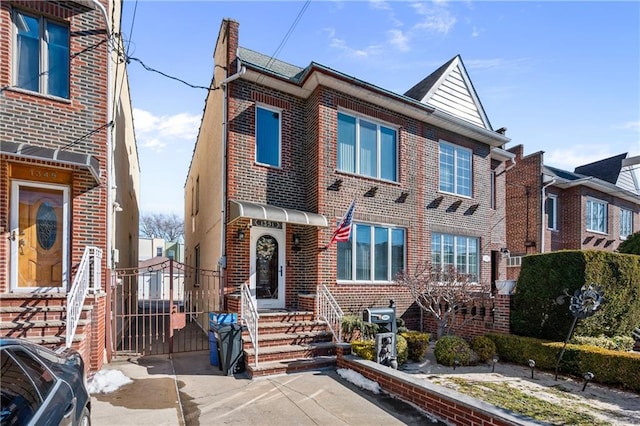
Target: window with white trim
(552,212)
(513,261)
(455,169)
(41,55)
(596,216)
(373,253)
(268,141)
(455,251)
(626,223)
(367,148)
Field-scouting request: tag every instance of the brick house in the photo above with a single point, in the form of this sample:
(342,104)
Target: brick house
(283,151)
(595,207)
(69,172)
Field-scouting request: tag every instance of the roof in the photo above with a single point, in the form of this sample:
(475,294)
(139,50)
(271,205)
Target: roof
(450,101)
(608,169)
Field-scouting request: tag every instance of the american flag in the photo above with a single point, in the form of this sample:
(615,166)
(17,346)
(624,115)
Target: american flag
(343,231)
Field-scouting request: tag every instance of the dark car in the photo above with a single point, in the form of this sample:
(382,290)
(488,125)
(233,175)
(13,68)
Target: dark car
(42,387)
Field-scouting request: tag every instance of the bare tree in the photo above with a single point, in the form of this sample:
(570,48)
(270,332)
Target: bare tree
(170,227)
(444,295)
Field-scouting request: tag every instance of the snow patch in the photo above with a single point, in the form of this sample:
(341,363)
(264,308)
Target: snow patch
(358,380)
(105,381)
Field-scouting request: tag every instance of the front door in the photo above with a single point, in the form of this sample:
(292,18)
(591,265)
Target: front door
(268,266)
(38,237)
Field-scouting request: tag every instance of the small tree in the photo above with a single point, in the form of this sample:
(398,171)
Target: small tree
(170,227)
(444,294)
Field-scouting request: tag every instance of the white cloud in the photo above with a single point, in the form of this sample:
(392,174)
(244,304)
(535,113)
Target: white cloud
(436,19)
(632,125)
(368,51)
(475,32)
(399,40)
(159,132)
(577,155)
(379,4)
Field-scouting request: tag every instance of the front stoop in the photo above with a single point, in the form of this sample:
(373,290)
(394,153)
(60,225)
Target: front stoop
(40,318)
(289,342)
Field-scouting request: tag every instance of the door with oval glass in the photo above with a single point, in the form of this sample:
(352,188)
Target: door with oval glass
(38,237)
(268,266)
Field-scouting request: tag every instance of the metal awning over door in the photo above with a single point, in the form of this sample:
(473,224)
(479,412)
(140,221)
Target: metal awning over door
(238,209)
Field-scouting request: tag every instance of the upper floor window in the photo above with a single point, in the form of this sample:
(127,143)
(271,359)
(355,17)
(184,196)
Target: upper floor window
(158,251)
(552,212)
(455,169)
(455,251)
(41,55)
(367,148)
(626,223)
(267,136)
(373,253)
(596,216)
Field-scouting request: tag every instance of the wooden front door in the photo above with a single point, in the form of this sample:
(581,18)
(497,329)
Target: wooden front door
(38,237)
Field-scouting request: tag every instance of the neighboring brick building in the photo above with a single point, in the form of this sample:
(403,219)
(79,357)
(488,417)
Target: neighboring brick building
(283,151)
(68,168)
(594,207)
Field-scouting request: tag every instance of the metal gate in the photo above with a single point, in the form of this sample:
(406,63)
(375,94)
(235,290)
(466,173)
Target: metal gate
(162,308)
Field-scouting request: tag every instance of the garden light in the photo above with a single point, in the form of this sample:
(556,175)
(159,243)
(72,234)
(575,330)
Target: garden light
(588,376)
(494,360)
(532,364)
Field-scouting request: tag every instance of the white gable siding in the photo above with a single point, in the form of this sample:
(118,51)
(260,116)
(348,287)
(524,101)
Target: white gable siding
(454,96)
(626,181)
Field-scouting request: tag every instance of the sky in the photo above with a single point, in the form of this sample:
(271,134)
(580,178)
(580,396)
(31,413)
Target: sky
(562,77)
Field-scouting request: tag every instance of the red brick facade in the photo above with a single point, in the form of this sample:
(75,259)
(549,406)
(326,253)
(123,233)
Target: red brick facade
(526,221)
(307,171)
(77,125)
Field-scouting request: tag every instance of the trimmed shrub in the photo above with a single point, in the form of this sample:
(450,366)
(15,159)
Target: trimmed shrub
(418,343)
(484,348)
(631,245)
(402,349)
(450,348)
(353,327)
(616,343)
(365,349)
(609,367)
(544,277)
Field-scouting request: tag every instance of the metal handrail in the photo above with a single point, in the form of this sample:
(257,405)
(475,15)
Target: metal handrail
(329,311)
(87,277)
(250,315)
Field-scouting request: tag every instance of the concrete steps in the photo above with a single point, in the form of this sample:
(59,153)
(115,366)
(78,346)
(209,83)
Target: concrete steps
(288,342)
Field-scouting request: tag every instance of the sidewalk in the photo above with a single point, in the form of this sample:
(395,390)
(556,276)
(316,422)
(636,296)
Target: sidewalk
(187,390)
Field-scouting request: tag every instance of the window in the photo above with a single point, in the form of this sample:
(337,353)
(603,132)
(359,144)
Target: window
(492,189)
(552,212)
(366,148)
(267,136)
(42,55)
(455,169)
(158,251)
(196,265)
(373,253)
(514,261)
(596,216)
(626,223)
(197,199)
(455,251)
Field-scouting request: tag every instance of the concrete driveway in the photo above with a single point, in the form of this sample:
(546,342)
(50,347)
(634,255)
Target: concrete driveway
(187,390)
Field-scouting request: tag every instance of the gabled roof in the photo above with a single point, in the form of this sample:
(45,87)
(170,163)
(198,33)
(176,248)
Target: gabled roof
(449,89)
(467,117)
(608,169)
(565,179)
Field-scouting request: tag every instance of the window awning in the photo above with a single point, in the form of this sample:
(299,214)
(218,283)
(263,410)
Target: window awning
(25,150)
(238,209)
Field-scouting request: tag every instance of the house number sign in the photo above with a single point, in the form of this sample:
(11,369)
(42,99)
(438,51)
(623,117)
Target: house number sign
(41,174)
(267,224)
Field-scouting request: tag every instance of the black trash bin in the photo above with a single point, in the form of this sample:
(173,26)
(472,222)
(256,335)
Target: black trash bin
(229,338)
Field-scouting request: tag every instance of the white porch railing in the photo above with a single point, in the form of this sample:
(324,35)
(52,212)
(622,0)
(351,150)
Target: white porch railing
(250,315)
(88,277)
(328,310)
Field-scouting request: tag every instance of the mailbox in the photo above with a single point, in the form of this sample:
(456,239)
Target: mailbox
(385,318)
